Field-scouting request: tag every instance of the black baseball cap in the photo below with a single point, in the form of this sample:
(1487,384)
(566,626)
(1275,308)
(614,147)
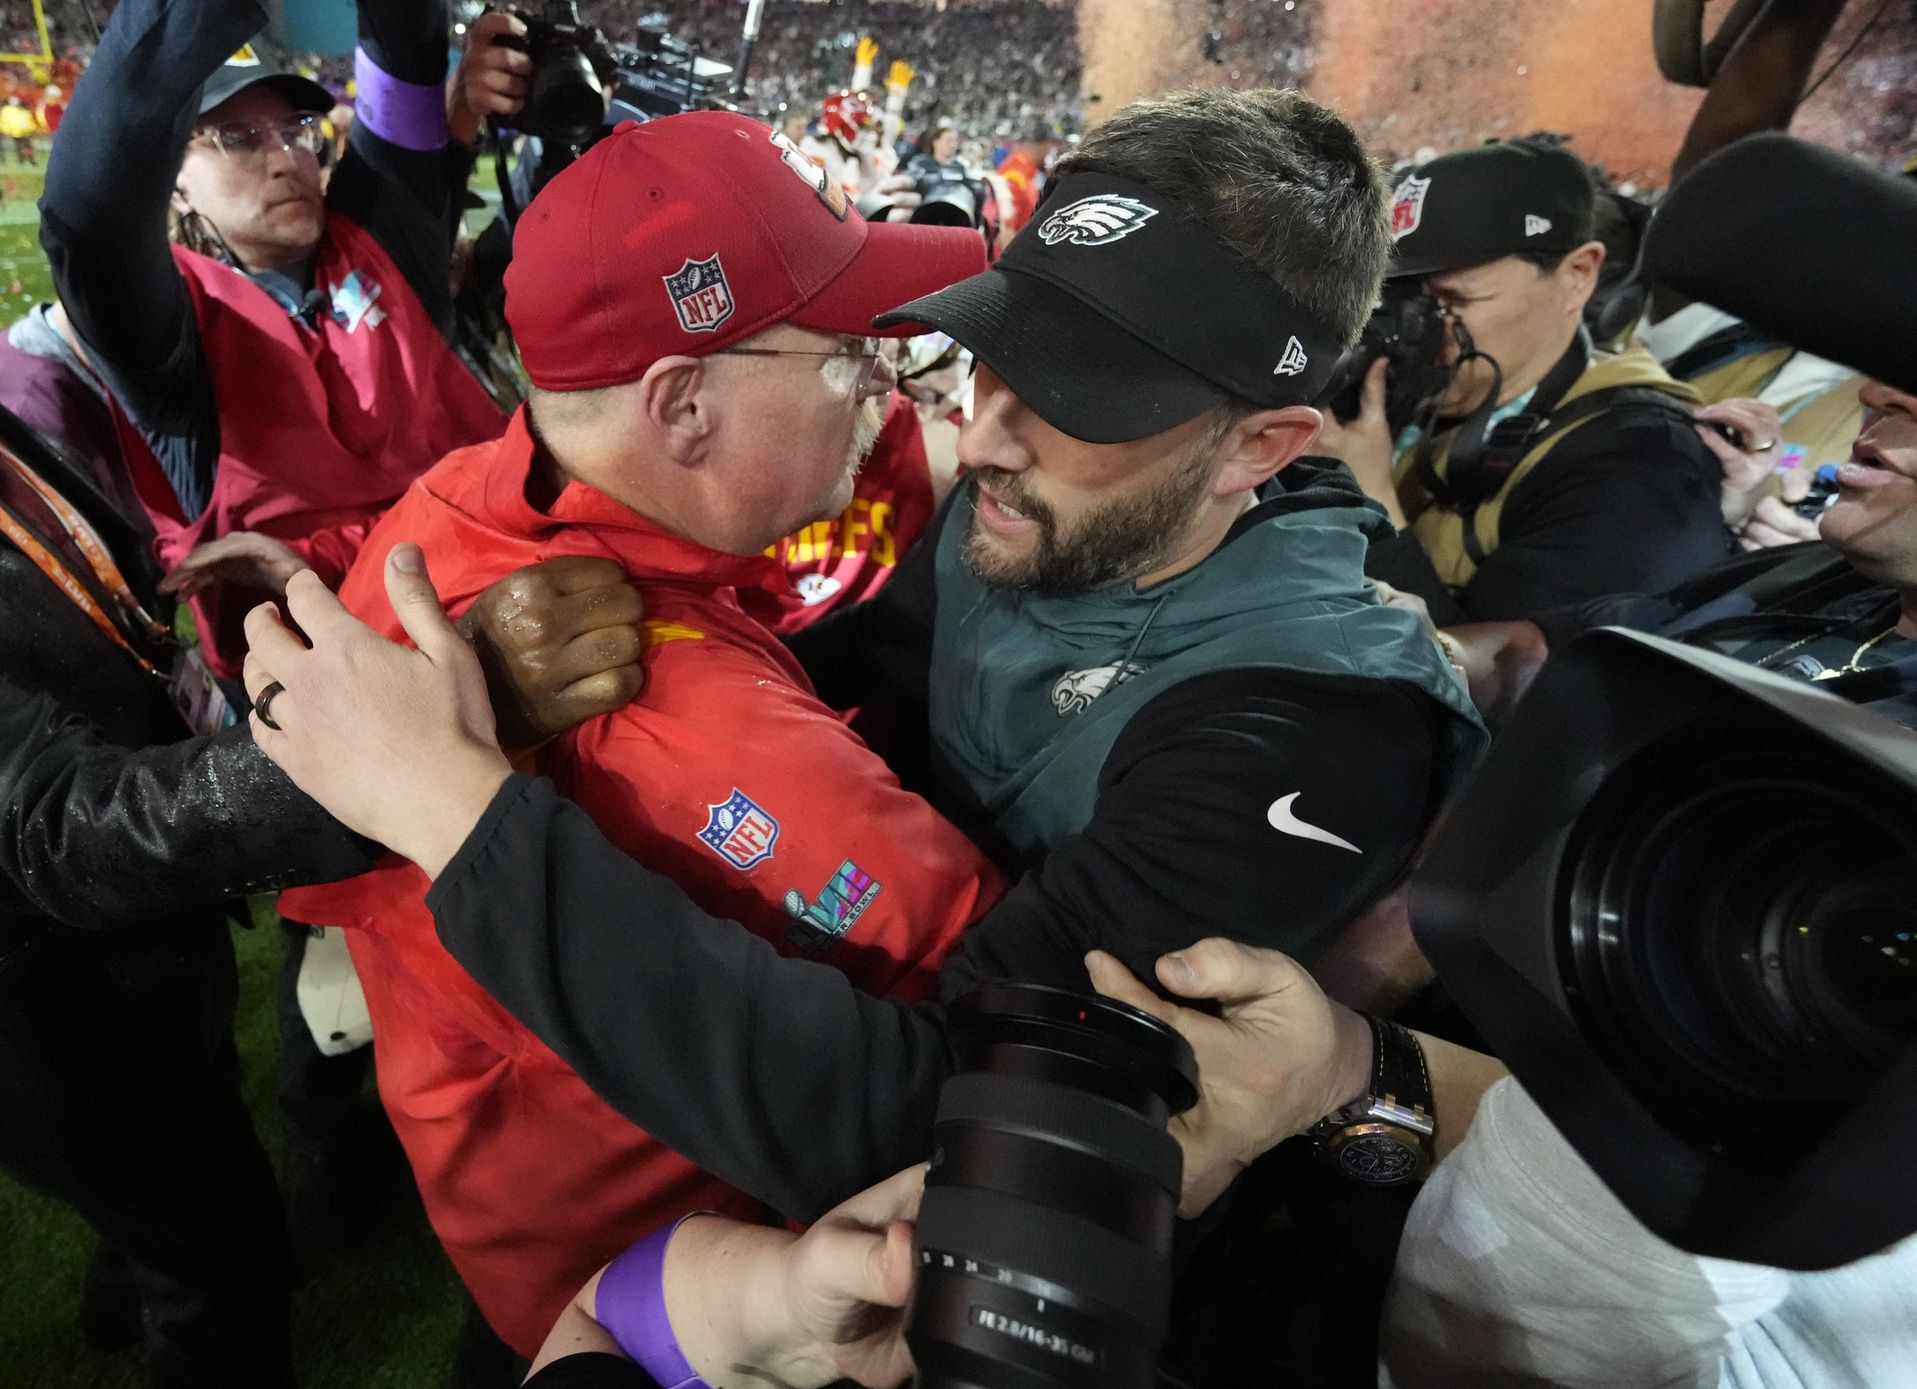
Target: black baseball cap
(1486,203)
(1116,316)
(253,65)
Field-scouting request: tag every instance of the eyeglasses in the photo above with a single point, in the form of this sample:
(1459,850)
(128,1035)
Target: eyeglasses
(248,144)
(870,356)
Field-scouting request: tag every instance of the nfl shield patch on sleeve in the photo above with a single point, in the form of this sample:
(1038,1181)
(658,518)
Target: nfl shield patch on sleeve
(740,831)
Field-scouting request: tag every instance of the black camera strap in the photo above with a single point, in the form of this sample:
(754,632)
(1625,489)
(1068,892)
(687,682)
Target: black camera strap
(1482,454)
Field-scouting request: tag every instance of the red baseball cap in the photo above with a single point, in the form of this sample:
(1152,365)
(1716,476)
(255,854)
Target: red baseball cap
(688,234)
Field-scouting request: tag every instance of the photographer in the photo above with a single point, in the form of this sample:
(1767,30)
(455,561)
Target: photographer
(282,373)
(1848,604)
(1541,472)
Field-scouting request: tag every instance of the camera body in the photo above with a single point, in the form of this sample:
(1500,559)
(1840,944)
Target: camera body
(1407,329)
(1679,898)
(582,84)
(571,67)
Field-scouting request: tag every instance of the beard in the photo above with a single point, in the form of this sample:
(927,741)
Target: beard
(1118,540)
(866,426)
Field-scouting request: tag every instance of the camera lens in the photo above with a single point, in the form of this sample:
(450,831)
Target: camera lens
(1044,1239)
(1738,924)
(565,99)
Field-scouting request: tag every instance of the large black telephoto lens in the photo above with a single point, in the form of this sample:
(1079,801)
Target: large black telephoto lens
(1741,922)
(1044,1241)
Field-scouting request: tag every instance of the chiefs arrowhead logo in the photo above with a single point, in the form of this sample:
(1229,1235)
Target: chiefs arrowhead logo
(1095,221)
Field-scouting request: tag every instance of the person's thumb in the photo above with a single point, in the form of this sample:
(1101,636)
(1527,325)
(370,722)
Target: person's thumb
(1226,970)
(893,1274)
(409,588)
(1114,981)
(847,1266)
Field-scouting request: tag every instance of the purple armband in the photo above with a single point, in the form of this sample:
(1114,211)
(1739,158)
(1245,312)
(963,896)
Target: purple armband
(407,114)
(631,1304)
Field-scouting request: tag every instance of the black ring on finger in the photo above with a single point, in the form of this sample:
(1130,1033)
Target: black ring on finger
(264,704)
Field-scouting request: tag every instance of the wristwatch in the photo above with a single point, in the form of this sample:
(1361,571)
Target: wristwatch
(1383,1138)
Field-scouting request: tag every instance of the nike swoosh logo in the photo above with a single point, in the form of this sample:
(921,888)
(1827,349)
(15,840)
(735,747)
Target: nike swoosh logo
(1285,822)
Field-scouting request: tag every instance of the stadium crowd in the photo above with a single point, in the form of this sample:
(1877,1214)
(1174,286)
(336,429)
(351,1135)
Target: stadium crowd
(991,67)
(674,661)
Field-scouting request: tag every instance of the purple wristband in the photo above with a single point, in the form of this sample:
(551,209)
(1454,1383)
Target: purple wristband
(631,1304)
(407,114)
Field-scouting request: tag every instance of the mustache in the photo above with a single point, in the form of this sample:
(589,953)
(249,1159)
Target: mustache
(1009,487)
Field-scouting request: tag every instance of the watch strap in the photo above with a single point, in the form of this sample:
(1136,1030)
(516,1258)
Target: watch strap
(1398,1071)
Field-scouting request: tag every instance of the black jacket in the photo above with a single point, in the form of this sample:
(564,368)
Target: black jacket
(106,815)
(1625,503)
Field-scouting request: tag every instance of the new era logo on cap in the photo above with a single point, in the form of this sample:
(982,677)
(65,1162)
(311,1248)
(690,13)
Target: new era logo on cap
(1535,225)
(1095,221)
(1294,360)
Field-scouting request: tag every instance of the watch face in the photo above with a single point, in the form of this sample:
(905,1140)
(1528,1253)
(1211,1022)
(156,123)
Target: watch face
(1380,1158)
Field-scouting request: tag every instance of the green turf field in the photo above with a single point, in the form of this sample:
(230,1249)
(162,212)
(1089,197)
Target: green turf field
(380,1317)
(24,280)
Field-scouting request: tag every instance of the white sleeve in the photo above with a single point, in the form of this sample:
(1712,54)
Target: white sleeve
(1683,330)
(1518,1267)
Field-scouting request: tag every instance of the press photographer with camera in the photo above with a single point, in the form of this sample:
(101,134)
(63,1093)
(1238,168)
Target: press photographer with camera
(1523,468)
(339,300)
(1831,610)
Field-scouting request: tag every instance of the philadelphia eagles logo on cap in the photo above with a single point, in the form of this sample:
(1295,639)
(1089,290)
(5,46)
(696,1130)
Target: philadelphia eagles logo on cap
(1095,221)
(1407,207)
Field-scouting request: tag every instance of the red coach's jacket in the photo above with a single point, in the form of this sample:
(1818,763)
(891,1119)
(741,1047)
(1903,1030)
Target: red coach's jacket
(847,558)
(321,428)
(729,776)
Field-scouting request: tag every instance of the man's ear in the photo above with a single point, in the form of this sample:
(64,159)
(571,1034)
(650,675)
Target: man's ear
(1578,273)
(1261,444)
(677,403)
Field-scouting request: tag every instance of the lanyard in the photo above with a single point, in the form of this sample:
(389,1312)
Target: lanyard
(87,541)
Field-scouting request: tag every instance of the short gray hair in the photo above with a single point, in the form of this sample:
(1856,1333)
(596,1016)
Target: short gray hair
(1273,175)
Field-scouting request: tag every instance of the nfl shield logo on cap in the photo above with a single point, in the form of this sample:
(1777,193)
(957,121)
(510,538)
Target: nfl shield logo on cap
(1407,207)
(700,295)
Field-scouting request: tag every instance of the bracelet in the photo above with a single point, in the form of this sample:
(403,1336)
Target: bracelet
(631,1305)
